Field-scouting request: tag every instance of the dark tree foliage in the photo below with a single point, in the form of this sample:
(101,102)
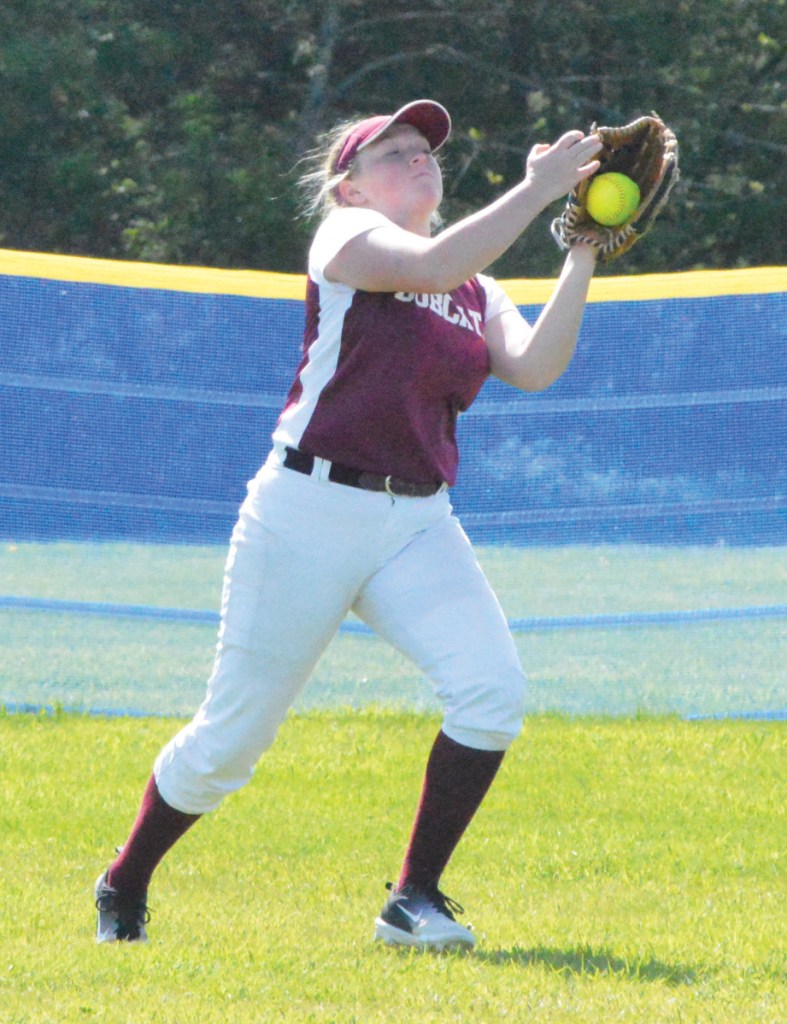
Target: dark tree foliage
(172,131)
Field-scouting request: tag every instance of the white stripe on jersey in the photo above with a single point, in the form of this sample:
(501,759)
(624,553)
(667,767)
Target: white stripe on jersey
(323,359)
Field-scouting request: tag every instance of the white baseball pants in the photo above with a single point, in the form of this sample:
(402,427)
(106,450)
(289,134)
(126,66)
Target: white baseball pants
(303,553)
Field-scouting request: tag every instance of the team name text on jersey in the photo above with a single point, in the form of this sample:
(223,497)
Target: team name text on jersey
(444,307)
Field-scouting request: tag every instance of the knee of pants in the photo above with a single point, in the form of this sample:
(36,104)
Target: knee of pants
(217,752)
(488,717)
(194,775)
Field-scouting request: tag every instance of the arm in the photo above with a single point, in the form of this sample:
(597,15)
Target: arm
(532,358)
(392,259)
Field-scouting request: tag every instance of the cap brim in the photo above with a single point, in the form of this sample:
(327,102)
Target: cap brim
(430,118)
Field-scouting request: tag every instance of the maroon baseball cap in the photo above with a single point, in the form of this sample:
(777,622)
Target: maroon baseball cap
(430,118)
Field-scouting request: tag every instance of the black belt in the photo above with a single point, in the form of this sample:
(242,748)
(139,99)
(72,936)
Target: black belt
(302,462)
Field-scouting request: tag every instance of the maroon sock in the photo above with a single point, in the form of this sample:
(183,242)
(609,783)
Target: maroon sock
(157,828)
(457,779)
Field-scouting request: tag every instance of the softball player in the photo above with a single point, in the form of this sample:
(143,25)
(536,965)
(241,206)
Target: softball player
(351,510)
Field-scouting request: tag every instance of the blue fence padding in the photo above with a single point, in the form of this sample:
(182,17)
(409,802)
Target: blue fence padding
(140,413)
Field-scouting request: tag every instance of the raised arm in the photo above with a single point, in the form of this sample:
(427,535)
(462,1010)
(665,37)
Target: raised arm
(394,259)
(532,358)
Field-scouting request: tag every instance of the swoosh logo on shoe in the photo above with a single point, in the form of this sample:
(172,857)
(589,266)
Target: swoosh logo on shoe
(415,918)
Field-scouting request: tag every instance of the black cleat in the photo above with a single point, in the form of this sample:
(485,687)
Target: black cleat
(120,918)
(424,918)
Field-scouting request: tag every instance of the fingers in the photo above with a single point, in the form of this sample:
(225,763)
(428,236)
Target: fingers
(580,147)
(588,169)
(581,144)
(587,147)
(569,139)
(574,138)
(556,169)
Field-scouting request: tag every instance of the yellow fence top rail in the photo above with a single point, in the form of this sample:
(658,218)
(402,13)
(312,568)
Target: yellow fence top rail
(691,284)
(264,284)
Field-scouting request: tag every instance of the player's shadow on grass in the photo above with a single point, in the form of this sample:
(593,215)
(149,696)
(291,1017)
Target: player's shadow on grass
(585,961)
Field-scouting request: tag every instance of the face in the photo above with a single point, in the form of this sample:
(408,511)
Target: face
(398,176)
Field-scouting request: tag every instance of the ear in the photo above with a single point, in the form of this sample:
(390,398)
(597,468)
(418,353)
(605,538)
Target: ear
(349,193)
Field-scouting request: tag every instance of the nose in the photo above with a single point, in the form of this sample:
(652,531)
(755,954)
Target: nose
(419,157)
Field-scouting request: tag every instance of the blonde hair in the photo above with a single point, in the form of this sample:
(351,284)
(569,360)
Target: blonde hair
(318,184)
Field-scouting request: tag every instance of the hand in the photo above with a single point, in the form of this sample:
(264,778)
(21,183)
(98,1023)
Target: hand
(555,169)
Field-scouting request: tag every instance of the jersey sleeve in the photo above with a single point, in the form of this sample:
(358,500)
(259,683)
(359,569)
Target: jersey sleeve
(338,228)
(497,301)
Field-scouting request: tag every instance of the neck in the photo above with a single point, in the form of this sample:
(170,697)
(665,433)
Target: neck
(420,228)
(418,224)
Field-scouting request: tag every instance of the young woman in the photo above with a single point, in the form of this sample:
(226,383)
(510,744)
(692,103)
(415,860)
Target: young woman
(351,509)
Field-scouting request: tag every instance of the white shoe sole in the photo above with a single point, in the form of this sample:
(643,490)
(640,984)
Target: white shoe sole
(455,938)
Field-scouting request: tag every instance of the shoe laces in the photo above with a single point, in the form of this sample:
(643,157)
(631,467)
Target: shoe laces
(131,911)
(446,905)
(442,903)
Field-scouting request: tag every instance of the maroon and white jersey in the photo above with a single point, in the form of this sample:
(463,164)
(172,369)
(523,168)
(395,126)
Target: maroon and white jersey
(385,374)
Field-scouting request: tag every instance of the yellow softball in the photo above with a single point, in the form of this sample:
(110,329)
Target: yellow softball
(612,198)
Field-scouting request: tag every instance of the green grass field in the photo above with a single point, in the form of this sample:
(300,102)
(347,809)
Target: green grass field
(620,870)
(627,866)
